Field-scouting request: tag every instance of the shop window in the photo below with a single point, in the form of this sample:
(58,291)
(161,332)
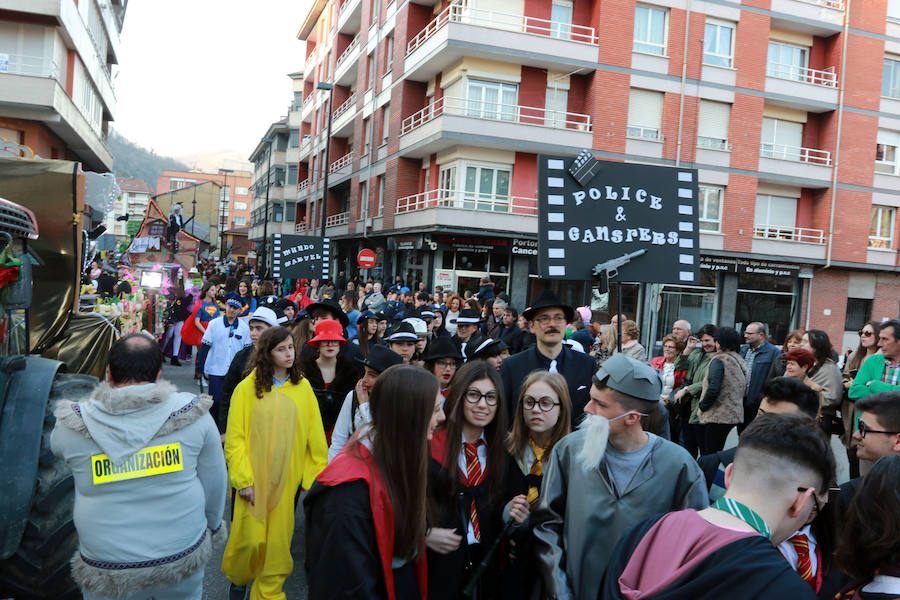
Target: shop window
(859,312)
(786,61)
(768,299)
(645,114)
(890,80)
(491,100)
(710,208)
(881,228)
(718,43)
(487,188)
(650,30)
(886,152)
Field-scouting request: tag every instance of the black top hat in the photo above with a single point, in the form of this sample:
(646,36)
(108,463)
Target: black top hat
(548,299)
(332,306)
(403,333)
(442,347)
(467,316)
(488,347)
(380,358)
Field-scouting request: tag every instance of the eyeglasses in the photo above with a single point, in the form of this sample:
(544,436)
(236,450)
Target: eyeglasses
(545,404)
(752,332)
(864,429)
(555,319)
(446,364)
(669,347)
(864,333)
(474,396)
(831,494)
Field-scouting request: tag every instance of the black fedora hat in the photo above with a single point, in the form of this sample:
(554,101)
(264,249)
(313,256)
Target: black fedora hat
(489,347)
(548,299)
(332,306)
(467,316)
(404,332)
(380,358)
(442,347)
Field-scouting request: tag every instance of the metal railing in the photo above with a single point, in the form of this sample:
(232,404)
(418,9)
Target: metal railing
(795,153)
(342,162)
(458,12)
(347,52)
(460,200)
(338,219)
(644,133)
(792,234)
(34,66)
(496,111)
(826,77)
(345,105)
(711,143)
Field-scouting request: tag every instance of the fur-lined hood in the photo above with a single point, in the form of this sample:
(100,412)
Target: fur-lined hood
(123,420)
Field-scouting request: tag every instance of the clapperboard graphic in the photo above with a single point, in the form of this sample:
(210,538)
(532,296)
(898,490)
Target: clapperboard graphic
(300,256)
(591,211)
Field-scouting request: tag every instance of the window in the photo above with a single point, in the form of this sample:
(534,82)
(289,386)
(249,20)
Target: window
(890,81)
(555,104)
(561,19)
(893,10)
(363,198)
(886,152)
(238,221)
(859,312)
(365,136)
(389,54)
(781,139)
(240,206)
(447,185)
(177,184)
(290,212)
(385,123)
(712,125)
(491,100)
(277,212)
(292,175)
(298,100)
(295,138)
(787,62)
(371,79)
(775,217)
(710,208)
(718,43)
(881,229)
(487,188)
(380,207)
(650,30)
(240,191)
(645,115)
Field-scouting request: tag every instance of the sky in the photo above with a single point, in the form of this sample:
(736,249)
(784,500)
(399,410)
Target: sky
(202,77)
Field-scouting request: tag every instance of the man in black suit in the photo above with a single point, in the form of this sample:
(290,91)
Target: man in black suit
(467,335)
(548,317)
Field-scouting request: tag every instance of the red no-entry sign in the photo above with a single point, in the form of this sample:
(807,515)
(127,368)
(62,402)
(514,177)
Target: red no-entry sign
(366,258)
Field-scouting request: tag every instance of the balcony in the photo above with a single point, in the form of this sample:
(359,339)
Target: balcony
(796,162)
(302,188)
(300,227)
(345,69)
(34,66)
(342,117)
(812,90)
(822,17)
(454,208)
(305,147)
(341,166)
(499,36)
(450,120)
(778,240)
(338,219)
(350,16)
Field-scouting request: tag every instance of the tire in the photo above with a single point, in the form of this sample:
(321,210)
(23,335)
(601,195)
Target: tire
(39,569)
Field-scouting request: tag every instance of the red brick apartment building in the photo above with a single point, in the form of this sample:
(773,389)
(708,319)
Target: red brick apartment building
(789,109)
(235,192)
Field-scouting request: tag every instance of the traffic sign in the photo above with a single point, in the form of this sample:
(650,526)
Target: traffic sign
(366,258)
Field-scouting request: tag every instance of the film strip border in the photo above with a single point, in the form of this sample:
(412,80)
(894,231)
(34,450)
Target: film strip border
(276,256)
(556,256)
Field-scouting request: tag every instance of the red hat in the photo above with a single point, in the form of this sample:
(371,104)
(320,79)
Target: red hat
(328,330)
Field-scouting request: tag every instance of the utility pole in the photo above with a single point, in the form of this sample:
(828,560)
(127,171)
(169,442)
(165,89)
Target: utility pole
(330,89)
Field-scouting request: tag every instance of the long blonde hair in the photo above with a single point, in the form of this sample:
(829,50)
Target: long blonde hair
(517,440)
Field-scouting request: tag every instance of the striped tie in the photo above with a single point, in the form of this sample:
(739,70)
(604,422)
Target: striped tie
(537,468)
(474,476)
(804,564)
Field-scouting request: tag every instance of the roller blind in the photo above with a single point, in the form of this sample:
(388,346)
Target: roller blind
(713,119)
(645,109)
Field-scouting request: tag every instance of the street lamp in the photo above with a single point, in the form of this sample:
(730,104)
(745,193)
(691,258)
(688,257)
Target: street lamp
(265,250)
(330,89)
(223,204)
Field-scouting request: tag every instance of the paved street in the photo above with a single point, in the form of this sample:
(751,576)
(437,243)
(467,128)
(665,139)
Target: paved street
(215,585)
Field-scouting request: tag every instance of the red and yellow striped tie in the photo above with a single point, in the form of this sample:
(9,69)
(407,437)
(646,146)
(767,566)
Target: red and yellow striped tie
(474,476)
(804,563)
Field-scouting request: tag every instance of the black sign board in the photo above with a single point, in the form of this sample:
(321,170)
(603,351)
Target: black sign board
(300,256)
(720,264)
(592,211)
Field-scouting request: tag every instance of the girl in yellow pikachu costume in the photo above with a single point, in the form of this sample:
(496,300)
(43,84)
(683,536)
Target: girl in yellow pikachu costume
(274,444)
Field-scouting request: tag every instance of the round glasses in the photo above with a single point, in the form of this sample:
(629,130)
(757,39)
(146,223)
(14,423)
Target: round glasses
(474,396)
(446,364)
(545,404)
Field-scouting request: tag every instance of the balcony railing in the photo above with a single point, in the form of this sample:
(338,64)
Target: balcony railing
(835,4)
(796,154)
(345,106)
(303,185)
(342,162)
(644,133)
(825,78)
(494,111)
(338,219)
(300,227)
(458,12)
(791,234)
(35,66)
(711,143)
(467,201)
(347,51)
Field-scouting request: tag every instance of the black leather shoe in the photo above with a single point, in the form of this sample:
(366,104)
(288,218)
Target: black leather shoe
(175,362)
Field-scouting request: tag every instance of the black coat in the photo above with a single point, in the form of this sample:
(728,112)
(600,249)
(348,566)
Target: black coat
(237,370)
(577,369)
(331,399)
(473,343)
(518,340)
(519,576)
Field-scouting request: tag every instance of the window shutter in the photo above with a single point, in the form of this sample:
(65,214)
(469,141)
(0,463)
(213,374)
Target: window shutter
(890,138)
(645,109)
(714,118)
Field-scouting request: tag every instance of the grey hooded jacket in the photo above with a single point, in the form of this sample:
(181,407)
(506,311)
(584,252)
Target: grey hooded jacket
(139,527)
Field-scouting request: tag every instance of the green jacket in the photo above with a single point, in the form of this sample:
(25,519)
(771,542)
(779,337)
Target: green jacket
(868,380)
(698,365)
